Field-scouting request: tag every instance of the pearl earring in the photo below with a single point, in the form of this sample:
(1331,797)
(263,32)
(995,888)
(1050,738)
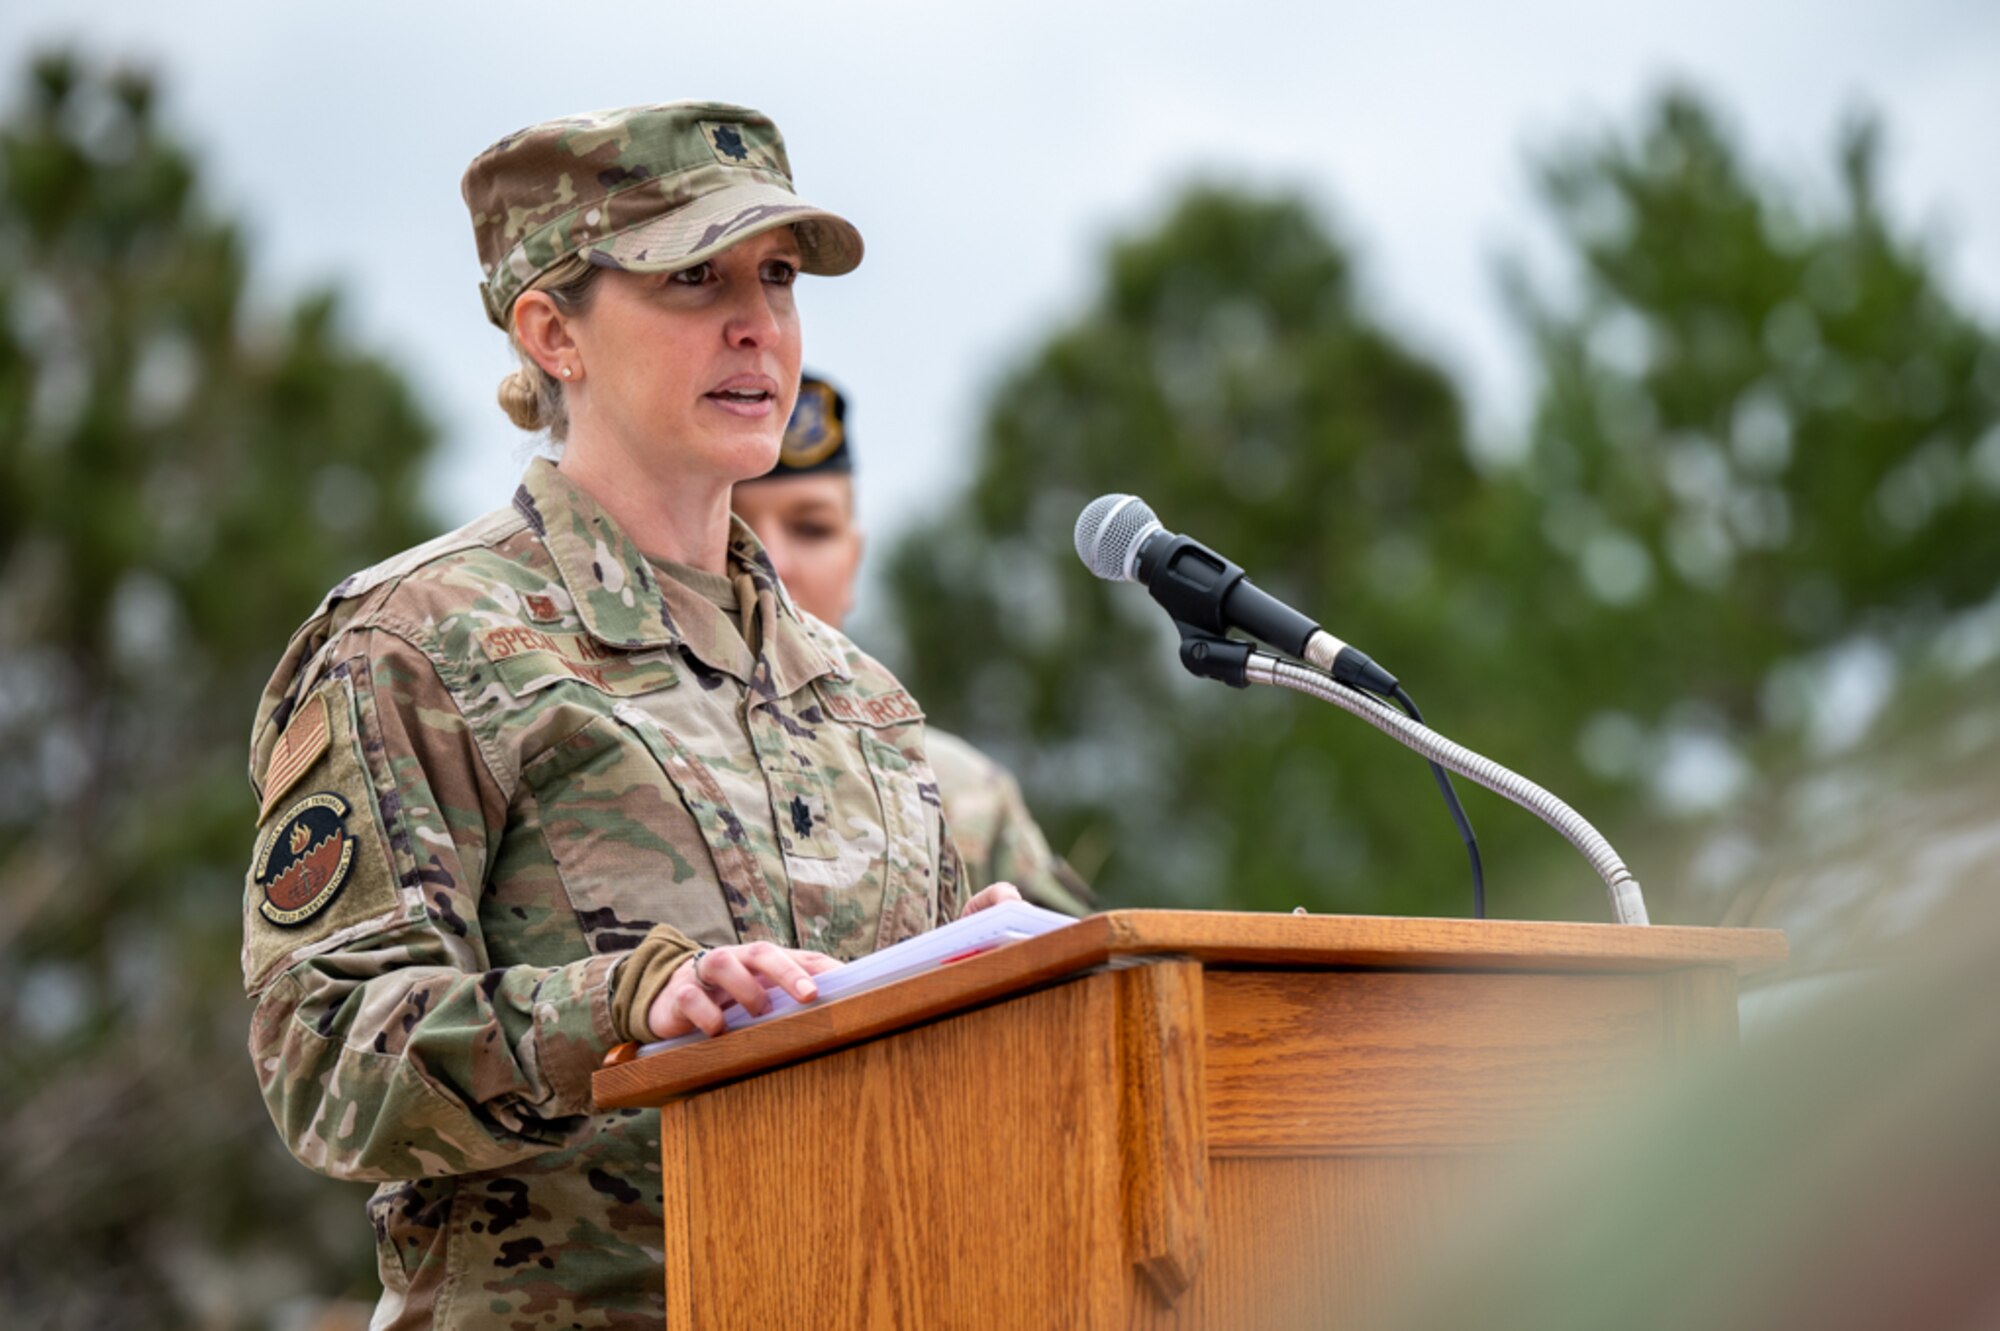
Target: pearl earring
(566,371)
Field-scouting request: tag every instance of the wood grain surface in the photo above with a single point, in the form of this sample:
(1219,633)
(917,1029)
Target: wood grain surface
(1217,938)
(1243,1122)
(964,1174)
(1308,1243)
(677,1204)
(1700,1011)
(1164,1128)
(1314,1063)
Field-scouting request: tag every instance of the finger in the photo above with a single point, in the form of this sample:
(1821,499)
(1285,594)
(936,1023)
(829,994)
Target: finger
(780,968)
(793,978)
(725,969)
(665,1017)
(694,1005)
(795,970)
(990,897)
(816,963)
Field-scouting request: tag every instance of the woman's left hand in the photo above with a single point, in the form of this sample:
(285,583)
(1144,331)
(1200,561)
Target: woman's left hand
(991,896)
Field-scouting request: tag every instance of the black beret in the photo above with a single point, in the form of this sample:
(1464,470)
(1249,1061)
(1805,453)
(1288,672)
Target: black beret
(816,436)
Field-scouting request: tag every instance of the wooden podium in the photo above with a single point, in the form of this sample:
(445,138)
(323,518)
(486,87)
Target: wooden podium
(1151,1118)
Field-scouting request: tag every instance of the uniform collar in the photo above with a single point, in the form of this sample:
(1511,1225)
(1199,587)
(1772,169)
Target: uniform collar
(617,597)
(623,604)
(793,654)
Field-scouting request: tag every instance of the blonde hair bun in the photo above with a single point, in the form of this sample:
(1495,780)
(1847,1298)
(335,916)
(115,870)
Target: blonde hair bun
(530,396)
(521,399)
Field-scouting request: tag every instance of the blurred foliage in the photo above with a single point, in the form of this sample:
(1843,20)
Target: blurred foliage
(1226,370)
(1765,441)
(181,477)
(1765,436)
(1839,1172)
(1853,852)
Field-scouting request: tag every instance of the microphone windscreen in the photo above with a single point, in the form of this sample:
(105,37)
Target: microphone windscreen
(1108,532)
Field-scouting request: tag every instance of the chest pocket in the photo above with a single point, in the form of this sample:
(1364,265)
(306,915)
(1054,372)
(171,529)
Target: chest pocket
(912,832)
(625,849)
(802,804)
(758,913)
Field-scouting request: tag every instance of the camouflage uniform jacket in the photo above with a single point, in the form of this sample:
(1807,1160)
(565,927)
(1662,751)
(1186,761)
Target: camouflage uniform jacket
(485,768)
(996,835)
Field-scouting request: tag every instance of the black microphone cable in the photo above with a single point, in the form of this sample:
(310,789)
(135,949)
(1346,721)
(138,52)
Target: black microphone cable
(1402,699)
(1120,539)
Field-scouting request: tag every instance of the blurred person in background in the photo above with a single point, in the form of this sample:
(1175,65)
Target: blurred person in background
(802,511)
(579,773)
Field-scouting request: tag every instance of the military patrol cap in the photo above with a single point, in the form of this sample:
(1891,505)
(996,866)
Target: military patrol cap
(644,188)
(816,435)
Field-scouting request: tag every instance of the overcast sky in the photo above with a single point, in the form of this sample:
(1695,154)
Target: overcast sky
(987,150)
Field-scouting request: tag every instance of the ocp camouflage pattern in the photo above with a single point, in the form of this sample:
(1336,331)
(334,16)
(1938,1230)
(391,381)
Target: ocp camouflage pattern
(997,837)
(543,749)
(640,187)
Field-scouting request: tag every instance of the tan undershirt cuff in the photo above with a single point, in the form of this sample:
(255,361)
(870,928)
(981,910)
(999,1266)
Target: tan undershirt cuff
(642,975)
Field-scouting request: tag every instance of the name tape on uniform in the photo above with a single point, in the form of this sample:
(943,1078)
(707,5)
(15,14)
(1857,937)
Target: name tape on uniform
(888,709)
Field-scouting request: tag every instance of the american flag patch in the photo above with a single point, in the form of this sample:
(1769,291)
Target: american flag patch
(304,740)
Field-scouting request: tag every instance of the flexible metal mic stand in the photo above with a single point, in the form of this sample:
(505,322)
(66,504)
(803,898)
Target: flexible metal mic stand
(1237,663)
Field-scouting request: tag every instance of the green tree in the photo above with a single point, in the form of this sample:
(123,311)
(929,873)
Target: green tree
(1227,371)
(1766,434)
(180,479)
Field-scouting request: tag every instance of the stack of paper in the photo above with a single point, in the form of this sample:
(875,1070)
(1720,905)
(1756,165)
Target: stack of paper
(983,931)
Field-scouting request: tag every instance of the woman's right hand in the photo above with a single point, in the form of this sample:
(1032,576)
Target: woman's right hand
(695,995)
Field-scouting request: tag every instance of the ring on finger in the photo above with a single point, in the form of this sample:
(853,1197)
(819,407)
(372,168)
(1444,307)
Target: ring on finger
(695,966)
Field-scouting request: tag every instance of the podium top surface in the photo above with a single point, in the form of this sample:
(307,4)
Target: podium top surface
(1215,938)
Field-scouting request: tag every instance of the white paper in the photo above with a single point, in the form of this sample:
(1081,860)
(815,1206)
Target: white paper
(983,931)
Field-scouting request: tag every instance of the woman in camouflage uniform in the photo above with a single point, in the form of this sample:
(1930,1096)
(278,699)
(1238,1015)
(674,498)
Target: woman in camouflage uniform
(802,512)
(511,781)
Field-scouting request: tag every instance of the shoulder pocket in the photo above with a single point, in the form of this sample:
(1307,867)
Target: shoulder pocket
(320,872)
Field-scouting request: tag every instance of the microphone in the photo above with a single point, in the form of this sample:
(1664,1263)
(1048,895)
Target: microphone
(1119,539)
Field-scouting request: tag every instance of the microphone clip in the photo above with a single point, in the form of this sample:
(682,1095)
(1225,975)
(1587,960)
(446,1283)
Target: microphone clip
(1211,656)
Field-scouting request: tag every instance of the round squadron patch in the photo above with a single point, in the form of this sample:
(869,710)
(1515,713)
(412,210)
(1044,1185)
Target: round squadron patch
(305,858)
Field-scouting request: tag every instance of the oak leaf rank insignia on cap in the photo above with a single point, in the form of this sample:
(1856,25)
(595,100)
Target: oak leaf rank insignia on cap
(647,189)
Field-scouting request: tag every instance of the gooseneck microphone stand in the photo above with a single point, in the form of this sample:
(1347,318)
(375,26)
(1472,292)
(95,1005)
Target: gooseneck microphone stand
(1237,663)
(1119,538)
